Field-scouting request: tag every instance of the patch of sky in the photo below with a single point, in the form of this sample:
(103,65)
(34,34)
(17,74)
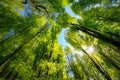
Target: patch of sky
(56,15)
(22,12)
(61,38)
(63,42)
(76,0)
(70,12)
(26,11)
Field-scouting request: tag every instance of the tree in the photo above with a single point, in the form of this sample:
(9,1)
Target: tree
(29,32)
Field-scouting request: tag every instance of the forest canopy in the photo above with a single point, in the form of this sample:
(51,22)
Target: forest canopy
(59,39)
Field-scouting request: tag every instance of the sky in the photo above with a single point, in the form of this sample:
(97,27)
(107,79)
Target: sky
(70,12)
(61,38)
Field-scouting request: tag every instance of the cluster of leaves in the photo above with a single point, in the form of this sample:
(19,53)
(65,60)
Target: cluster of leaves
(99,28)
(29,30)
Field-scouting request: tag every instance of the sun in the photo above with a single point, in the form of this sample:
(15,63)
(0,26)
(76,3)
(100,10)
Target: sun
(89,49)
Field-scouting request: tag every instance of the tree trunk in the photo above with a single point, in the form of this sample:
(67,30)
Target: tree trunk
(4,70)
(14,36)
(110,61)
(101,70)
(97,35)
(17,50)
(14,78)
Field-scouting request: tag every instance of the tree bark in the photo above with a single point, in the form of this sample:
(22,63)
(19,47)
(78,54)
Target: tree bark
(21,46)
(110,61)
(101,70)
(17,50)
(96,35)
(14,78)
(14,36)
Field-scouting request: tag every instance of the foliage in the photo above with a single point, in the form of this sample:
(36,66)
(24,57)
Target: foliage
(29,32)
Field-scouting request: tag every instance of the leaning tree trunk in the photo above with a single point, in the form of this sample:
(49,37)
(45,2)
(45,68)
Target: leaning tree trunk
(21,46)
(96,34)
(14,36)
(98,66)
(110,61)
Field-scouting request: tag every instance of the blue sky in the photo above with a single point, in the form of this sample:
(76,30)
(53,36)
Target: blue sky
(69,11)
(61,38)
